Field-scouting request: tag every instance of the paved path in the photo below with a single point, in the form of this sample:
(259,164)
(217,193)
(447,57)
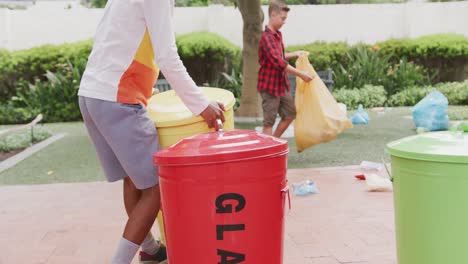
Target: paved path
(81,223)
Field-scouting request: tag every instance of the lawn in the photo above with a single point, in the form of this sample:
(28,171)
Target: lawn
(72,159)
(363,142)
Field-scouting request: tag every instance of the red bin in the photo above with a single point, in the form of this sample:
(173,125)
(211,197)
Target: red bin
(223,198)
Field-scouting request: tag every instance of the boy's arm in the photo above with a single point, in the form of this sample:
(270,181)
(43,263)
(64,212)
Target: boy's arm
(272,54)
(275,58)
(303,75)
(293,54)
(158,16)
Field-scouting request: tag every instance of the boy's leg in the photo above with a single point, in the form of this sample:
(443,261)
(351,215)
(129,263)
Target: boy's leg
(131,140)
(268,130)
(270,105)
(131,197)
(282,126)
(138,225)
(287,111)
(143,215)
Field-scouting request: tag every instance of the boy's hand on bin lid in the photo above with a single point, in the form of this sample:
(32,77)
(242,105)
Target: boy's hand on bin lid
(212,112)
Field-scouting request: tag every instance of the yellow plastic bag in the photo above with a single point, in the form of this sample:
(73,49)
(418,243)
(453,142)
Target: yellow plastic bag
(319,118)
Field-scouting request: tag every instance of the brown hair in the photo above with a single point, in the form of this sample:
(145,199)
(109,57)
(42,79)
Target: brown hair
(277,6)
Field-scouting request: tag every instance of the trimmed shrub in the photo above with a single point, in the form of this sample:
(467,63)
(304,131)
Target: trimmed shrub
(446,55)
(206,55)
(456,93)
(46,79)
(23,139)
(368,96)
(324,55)
(9,114)
(26,66)
(440,57)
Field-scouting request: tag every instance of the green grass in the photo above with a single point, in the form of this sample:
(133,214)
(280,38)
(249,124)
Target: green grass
(458,113)
(363,142)
(73,159)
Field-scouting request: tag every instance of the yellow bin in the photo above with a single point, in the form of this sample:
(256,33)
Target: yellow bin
(174,120)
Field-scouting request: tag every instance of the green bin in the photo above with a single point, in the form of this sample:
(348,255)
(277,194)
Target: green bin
(430,178)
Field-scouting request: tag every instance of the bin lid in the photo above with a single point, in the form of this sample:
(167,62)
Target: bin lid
(216,147)
(166,109)
(436,146)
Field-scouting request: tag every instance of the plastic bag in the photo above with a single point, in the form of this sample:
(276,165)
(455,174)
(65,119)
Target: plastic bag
(432,112)
(376,183)
(361,117)
(305,188)
(319,118)
(343,108)
(369,165)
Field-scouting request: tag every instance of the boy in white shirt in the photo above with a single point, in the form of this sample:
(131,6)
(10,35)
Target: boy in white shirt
(134,39)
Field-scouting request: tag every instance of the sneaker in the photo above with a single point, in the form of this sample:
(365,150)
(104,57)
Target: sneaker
(159,258)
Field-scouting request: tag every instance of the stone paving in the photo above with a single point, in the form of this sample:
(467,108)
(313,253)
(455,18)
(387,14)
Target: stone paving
(81,223)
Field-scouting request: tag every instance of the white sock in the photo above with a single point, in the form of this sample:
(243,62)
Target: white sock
(150,245)
(125,252)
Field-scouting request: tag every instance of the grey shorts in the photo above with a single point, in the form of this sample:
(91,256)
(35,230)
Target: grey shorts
(273,105)
(125,139)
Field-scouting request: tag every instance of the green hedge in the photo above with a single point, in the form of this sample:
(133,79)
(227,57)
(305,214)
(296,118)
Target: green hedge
(6,66)
(205,55)
(456,93)
(324,55)
(368,96)
(11,114)
(445,53)
(29,65)
(373,96)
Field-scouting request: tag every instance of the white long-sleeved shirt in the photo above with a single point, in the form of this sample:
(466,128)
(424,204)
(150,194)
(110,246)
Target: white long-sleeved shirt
(134,39)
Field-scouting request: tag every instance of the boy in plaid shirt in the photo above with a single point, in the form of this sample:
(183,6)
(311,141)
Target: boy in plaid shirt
(273,83)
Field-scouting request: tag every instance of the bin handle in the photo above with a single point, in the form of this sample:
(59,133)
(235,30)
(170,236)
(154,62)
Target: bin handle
(219,125)
(285,191)
(387,169)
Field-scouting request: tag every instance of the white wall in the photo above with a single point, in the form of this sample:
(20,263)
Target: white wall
(227,22)
(191,19)
(429,18)
(351,23)
(51,22)
(4,27)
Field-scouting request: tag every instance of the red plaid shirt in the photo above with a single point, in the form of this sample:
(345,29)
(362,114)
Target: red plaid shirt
(272,76)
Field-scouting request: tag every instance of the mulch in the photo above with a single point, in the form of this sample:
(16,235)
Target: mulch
(6,155)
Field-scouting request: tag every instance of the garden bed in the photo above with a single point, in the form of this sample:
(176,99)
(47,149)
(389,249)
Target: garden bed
(6,155)
(15,143)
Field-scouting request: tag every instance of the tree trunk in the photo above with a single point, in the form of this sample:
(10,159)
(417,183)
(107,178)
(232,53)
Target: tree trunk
(252,16)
